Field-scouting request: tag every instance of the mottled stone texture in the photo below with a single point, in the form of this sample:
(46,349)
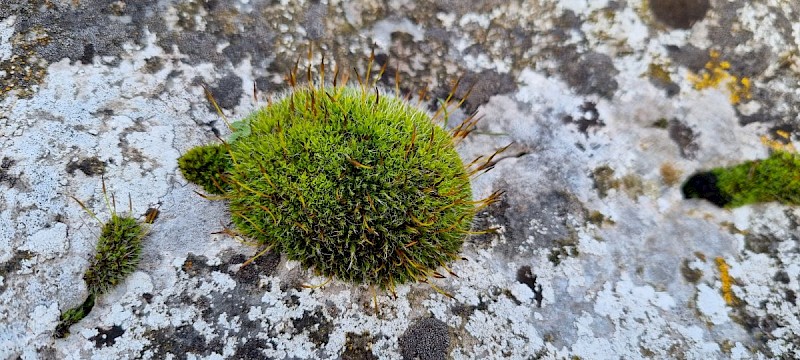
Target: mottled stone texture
(596,253)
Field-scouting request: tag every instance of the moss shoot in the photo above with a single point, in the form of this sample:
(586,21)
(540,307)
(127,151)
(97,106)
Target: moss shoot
(776,178)
(203,165)
(117,254)
(352,183)
(118,250)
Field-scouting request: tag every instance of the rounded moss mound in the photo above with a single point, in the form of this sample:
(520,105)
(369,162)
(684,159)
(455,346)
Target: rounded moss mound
(354,184)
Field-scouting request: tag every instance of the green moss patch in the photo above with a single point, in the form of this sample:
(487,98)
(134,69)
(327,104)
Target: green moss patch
(117,254)
(776,178)
(204,165)
(352,183)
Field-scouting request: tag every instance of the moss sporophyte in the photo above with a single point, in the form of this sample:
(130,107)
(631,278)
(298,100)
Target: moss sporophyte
(119,247)
(350,181)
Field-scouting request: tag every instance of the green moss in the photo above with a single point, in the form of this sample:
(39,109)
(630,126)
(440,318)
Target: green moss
(118,251)
(661,123)
(72,316)
(204,165)
(117,254)
(355,185)
(776,178)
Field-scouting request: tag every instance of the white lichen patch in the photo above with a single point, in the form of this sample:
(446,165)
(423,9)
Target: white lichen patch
(6,31)
(711,304)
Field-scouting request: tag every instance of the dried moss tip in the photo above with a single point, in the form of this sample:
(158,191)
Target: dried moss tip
(352,182)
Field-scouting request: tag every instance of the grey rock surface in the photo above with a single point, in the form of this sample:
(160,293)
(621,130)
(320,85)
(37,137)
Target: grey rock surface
(597,255)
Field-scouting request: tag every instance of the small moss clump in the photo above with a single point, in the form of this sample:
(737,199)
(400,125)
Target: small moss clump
(118,250)
(351,182)
(117,254)
(776,178)
(203,165)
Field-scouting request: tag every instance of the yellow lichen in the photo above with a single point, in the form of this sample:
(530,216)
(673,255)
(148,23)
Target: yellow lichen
(727,282)
(716,74)
(779,145)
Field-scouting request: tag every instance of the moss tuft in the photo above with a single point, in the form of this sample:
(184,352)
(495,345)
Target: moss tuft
(118,250)
(204,165)
(776,178)
(352,183)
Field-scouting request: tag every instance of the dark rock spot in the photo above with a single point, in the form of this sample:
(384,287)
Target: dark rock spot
(589,118)
(263,265)
(235,302)
(13,265)
(557,255)
(689,274)
(691,57)
(684,137)
(291,300)
(228,92)
(319,327)
(463,310)
(761,244)
(484,85)
(681,14)
(176,342)
(661,123)
(661,78)
(751,65)
(107,337)
(776,131)
(88,54)
(153,64)
(791,296)
(247,33)
(197,46)
(83,29)
(425,339)
(253,349)
(183,339)
(557,211)
(781,277)
(5,176)
(482,305)
(265,84)
(89,166)
(704,186)
(590,73)
(526,276)
(358,347)
(148,297)
(727,33)
(195,265)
